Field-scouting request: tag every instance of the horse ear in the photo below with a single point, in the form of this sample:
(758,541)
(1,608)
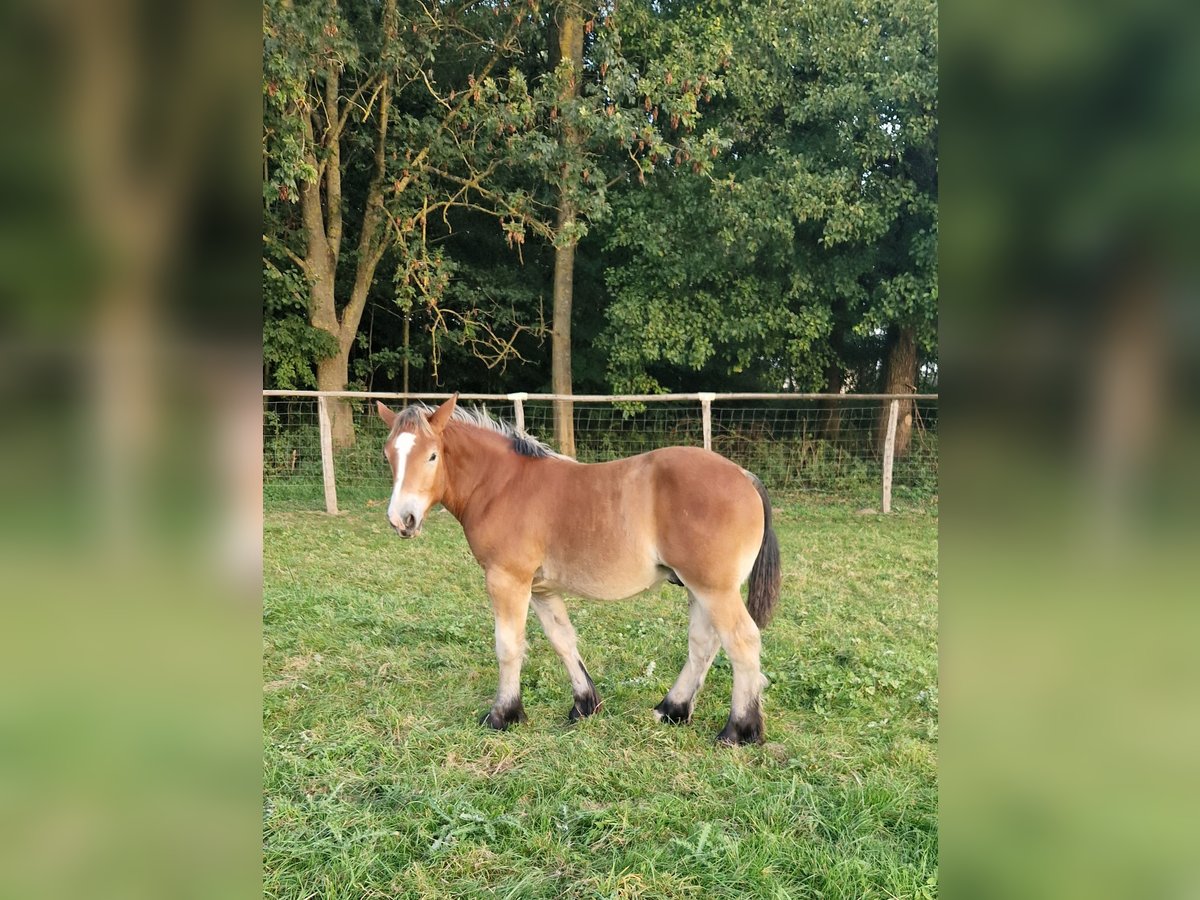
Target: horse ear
(441,415)
(389,417)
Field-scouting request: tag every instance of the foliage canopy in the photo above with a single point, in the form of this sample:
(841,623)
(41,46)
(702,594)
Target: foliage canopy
(756,186)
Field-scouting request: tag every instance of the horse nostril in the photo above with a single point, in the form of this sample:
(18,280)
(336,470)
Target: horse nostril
(409,521)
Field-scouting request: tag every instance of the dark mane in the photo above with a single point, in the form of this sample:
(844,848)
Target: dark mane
(417,416)
(527,446)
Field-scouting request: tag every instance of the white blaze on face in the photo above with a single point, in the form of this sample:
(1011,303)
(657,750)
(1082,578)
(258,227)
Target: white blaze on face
(403,446)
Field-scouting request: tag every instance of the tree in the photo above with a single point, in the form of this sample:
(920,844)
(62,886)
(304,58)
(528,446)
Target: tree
(899,377)
(817,233)
(598,118)
(719,192)
(332,74)
(323,68)
(389,121)
(568,53)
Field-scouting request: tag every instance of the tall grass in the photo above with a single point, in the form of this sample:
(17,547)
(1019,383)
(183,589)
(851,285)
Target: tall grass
(380,783)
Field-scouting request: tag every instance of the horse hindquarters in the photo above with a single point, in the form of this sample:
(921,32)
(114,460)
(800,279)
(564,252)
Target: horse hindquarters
(714,527)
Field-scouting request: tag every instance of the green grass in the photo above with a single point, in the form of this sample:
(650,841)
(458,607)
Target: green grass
(379,782)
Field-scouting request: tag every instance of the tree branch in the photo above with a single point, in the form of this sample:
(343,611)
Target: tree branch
(370,246)
(448,120)
(333,171)
(299,261)
(501,205)
(310,207)
(352,102)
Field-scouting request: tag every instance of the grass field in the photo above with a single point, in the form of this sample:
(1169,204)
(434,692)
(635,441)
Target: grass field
(379,783)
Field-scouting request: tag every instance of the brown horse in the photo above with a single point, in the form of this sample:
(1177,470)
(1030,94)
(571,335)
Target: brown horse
(541,524)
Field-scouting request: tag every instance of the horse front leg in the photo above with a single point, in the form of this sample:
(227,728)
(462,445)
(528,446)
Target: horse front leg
(510,606)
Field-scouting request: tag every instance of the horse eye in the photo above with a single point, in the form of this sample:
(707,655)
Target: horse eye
(432,456)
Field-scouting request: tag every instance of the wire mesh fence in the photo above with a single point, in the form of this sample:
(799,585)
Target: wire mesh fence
(292,468)
(830,446)
(608,430)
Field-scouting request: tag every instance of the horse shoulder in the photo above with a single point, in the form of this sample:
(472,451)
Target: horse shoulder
(509,525)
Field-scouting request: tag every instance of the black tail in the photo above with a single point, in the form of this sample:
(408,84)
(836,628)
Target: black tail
(766,576)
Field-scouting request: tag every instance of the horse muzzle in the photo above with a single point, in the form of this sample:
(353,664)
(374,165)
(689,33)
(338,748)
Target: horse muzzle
(409,526)
(406,513)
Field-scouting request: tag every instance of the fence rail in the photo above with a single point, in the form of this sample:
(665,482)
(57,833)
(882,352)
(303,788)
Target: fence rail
(850,444)
(594,398)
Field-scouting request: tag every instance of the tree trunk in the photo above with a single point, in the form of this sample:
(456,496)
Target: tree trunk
(332,371)
(560,343)
(333,375)
(407,317)
(324,228)
(569,46)
(899,377)
(831,419)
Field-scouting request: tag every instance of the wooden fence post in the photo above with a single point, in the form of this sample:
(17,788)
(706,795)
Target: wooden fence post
(331,506)
(706,399)
(518,401)
(889,453)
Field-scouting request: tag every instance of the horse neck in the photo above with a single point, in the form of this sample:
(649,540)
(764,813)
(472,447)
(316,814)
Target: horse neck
(474,460)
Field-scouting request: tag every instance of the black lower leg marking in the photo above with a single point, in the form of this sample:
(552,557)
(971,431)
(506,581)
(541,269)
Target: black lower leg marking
(587,702)
(673,713)
(746,729)
(502,717)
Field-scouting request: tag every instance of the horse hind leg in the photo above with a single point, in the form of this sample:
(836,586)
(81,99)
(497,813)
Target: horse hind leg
(740,638)
(676,708)
(552,613)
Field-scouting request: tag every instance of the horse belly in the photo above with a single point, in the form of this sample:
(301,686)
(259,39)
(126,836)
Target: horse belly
(601,579)
(602,545)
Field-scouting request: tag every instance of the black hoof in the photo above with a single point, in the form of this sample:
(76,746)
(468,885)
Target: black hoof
(584,706)
(673,713)
(501,719)
(745,731)
(589,702)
